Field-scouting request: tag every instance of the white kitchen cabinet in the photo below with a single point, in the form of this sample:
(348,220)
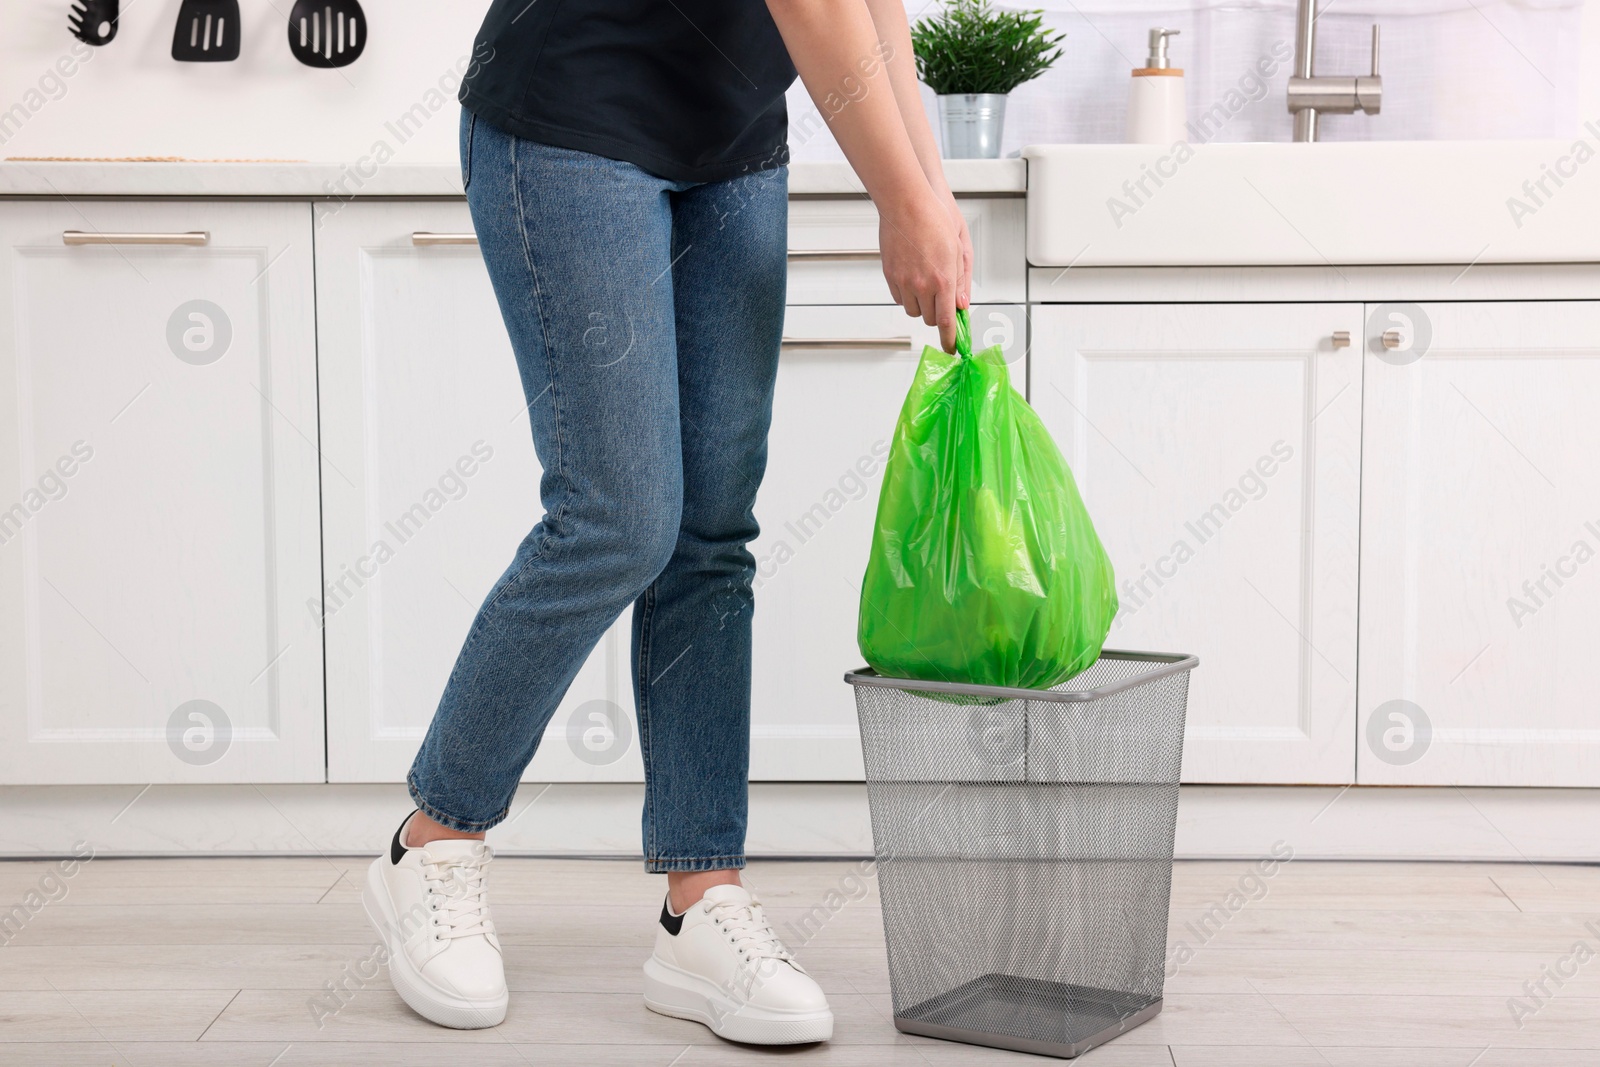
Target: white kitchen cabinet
(418,387)
(1218,449)
(158,506)
(833,246)
(1480,549)
(833,418)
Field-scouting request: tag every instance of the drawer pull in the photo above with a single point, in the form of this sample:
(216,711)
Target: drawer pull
(1341,338)
(78,237)
(835,255)
(424,239)
(838,343)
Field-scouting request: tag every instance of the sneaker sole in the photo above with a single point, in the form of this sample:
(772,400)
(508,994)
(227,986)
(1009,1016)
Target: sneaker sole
(458,1013)
(669,991)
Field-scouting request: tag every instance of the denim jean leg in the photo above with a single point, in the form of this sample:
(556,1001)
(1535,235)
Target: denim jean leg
(578,250)
(692,640)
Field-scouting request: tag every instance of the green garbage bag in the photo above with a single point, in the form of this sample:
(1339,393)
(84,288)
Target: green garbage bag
(985,568)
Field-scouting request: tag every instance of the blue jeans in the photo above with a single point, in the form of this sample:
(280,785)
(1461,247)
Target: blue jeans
(646,316)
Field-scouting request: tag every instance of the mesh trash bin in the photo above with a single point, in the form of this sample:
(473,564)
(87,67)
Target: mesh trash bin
(1024,849)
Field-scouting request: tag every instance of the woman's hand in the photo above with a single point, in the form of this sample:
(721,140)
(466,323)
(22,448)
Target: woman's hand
(856,60)
(927,260)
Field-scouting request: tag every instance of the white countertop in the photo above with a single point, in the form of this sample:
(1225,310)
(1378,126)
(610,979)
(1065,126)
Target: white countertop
(182,179)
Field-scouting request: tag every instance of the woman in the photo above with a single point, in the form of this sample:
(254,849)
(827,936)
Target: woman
(625,166)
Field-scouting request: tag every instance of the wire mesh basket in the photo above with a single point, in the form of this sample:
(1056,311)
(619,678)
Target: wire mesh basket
(1024,849)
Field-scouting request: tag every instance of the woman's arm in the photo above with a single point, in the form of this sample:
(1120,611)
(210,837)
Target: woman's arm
(836,47)
(889,16)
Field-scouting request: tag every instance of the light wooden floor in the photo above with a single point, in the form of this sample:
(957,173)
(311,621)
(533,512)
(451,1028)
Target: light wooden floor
(188,962)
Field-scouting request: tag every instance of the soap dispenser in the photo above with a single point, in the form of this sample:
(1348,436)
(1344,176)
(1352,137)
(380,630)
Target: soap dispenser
(1156,111)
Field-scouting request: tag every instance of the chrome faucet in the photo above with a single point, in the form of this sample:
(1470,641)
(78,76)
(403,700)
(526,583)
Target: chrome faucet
(1310,94)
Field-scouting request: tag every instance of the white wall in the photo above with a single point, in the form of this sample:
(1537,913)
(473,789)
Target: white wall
(1456,69)
(131,99)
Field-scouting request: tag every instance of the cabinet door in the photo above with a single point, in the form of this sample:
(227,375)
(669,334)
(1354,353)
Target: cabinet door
(1218,449)
(429,483)
(158,494)
(1480,546)
(833,419)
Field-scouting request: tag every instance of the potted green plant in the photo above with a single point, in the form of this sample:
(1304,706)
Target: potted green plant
(972,55)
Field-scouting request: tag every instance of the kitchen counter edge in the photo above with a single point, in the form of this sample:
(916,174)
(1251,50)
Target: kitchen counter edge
(20,178)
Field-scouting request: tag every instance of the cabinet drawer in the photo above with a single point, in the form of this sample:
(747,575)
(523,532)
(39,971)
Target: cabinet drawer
(861,330)
(833,248)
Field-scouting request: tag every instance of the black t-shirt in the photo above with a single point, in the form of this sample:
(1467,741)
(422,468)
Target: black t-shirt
(691,90)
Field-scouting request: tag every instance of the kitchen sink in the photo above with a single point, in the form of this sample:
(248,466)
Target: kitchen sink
(1324,203)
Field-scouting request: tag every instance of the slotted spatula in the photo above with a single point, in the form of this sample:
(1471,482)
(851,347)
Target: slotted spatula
(327,33)
(94,21)
(207,32)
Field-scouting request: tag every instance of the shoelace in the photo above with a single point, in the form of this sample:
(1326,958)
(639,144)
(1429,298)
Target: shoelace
(456,895)
(747,927)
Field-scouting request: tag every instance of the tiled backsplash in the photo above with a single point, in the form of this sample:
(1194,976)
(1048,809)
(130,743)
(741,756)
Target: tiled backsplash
(1452,70)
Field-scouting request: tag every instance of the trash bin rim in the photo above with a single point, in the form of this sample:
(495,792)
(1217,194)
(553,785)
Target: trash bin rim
(1168,663)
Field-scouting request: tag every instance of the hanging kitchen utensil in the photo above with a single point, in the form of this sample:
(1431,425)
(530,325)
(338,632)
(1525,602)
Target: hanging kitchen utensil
(327,33)
(207,32)
(93,21)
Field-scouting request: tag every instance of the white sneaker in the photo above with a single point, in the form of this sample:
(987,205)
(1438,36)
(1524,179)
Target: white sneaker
(443,953)
(719,963)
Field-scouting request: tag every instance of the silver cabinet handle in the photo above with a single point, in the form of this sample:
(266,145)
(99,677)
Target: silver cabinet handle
(816,255)
(1392,339)
(78,237)
(837,343)
(423,239)
(1341,338)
